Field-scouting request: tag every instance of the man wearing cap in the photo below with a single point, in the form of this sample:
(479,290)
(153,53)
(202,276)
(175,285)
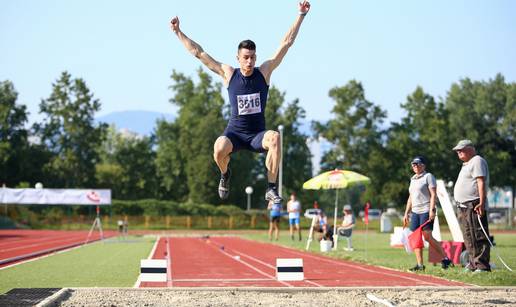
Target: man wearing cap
(421,207)
(470,194)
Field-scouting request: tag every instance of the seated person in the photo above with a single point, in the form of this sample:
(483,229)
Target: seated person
(346,229)
(321,226)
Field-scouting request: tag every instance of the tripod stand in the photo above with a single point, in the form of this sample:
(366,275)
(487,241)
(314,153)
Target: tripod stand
(97,223)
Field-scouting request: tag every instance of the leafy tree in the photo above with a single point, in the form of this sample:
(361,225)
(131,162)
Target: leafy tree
(127,165)
(135,158)
(21,161)
(13,135)
(484,112)
(169,162)
(355,131)
(423,131)
(69,133)
(200,122)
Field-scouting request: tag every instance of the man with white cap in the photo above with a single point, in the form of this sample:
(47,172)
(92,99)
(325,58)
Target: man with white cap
(470,194)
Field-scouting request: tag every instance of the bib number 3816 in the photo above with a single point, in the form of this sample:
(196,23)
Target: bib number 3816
(249,104)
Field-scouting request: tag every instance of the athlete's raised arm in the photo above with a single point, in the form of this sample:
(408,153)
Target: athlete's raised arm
(224,70)
(268,66)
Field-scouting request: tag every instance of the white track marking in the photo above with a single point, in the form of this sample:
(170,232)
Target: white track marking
(365,269)
(153,250)
(169,264)
(251,266)
(41,243)
(44,256)
(270,266)
(222,279)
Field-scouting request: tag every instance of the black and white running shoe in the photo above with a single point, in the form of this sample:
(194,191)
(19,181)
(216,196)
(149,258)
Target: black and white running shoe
(272,194)
(224,185)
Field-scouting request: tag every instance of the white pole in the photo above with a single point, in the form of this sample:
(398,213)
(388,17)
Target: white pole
(335,236)
(249,191)
(310,234)
(280,179)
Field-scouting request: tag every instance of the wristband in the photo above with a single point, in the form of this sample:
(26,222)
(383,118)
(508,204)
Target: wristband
(302,14)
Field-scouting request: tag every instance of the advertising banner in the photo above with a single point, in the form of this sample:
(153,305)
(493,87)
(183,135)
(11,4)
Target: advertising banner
(55,196)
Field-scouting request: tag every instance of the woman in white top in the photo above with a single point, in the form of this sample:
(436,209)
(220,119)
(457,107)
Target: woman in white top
(346,229)
(421,205)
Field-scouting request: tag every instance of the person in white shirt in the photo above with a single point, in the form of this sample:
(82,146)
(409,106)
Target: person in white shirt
(421,206)
(294,210)
(470,193)
(346,229)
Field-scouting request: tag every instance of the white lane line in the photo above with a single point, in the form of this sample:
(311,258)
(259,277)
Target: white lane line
(29,239)
(153,250)
(271,266)
(251,266)
(64,241)
(222,279)
(169,265)
(365,269)
(44,256)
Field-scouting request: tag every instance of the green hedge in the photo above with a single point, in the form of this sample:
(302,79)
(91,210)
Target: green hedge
(153,207)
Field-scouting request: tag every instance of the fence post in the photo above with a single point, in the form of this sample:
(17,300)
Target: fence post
(106,222)
(147,218)
(209,222)
(188,222)
(230,222)
(253,221)
(167,222)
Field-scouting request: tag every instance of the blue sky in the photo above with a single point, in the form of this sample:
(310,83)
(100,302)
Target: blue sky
(125,51)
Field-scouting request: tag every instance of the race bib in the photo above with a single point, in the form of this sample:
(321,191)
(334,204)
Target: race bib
(249,104)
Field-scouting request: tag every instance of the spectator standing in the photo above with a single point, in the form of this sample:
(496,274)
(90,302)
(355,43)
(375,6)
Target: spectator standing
(294,213)
(275,215)
(470,194)
(421,206)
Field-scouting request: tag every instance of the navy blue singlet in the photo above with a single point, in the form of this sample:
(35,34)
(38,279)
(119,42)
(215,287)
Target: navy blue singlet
(248,99)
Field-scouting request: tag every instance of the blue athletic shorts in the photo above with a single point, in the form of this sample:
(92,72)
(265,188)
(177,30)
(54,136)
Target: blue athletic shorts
(417,220)
(294,221)
(248,141)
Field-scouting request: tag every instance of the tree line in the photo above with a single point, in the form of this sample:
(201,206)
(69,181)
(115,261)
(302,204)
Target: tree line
(68,150)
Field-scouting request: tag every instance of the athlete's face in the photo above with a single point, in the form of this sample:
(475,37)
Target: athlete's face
(247,59)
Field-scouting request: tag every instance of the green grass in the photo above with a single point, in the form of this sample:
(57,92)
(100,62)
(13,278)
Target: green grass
(379,252)
(113,263)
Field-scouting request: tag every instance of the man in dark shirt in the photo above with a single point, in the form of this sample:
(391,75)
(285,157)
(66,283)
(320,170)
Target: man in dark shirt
(248,88)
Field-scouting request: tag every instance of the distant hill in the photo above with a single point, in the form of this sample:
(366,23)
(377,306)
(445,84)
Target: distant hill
(141,122)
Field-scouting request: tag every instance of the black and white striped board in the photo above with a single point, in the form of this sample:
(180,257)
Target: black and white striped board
(289,269)
(153,270)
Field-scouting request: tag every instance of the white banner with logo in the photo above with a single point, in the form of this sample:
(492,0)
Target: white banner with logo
(55,196)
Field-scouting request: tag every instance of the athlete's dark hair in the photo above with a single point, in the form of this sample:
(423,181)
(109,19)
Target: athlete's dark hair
(247,44)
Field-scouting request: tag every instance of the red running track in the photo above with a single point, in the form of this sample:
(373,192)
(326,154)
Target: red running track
(236,262)
(19,244)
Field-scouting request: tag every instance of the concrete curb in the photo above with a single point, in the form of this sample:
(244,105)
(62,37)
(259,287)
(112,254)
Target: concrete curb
(54,298)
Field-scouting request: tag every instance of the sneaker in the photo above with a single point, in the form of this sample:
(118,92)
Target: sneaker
(418,267)
(468,268)
(272,194)
(445,263)
(224,185)
(480,271)
(349,249)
